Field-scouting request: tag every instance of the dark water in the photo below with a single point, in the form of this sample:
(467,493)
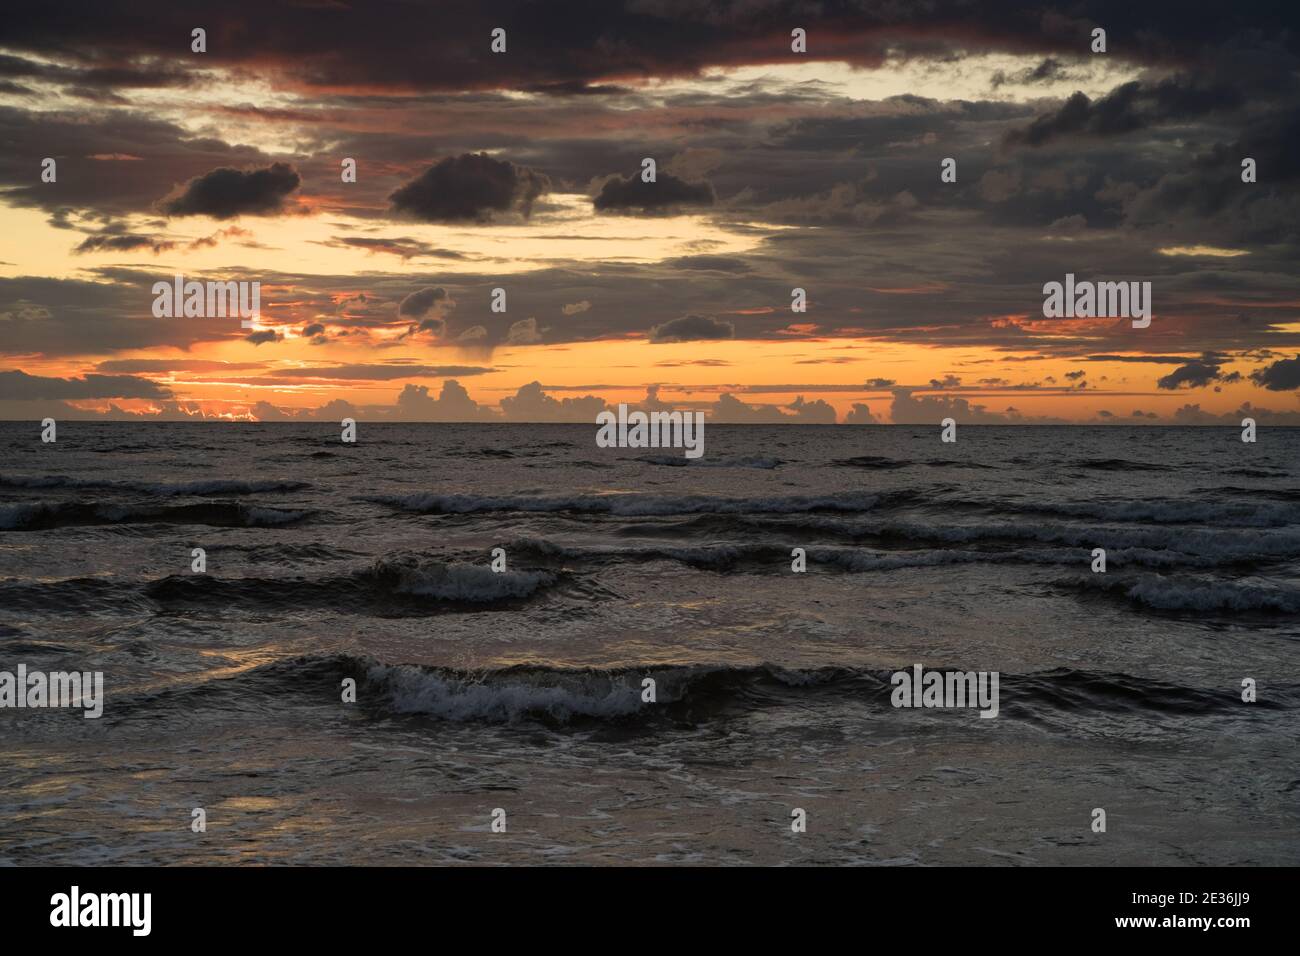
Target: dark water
(522,690)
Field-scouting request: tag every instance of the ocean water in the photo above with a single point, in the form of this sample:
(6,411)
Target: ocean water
(522,690)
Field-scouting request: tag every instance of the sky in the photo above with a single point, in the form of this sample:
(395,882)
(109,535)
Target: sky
(775,169)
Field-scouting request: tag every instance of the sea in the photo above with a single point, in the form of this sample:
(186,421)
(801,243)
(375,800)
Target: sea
(500,644)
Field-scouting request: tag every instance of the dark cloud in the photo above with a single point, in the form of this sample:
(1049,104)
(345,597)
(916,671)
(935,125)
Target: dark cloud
(1282,375)
(1050,69)
(1195,374)
(403,248)
(124,242)
(692,328)
(263,335)
(89,80)
(108,313)
(417,304)
(225,193)
(565,47)
(709,264)
(1142,359)
(112,161)
(378,373)
(17,385)
(667,193)
(469,188)
(174,365)
(1208,189)
(1129,107)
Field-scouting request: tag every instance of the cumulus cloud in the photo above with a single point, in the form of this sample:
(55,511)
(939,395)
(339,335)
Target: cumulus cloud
(225,193)
(452,404)
(909,409)
(531,404)
(1129,107)
(817,412)
(1195,415)
(417,304)
(1195,375)
(666,193)
(1282,375)
(860,414)
(730,410)
(472,187)
(692,328)
(524,332)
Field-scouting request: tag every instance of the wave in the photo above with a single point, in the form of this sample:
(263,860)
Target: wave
(288,552)
(950,463)
(686,694)
(871,461)
(1194,594)
(1257,472)
(1236,514)
(700,692)
(90,597)
(457,581)
(640,504)
(1120,464)
(394,585)
(637,504)
(206,486)
(776,558)
(1212,545)
(858,560)
(672,461)
(46,515)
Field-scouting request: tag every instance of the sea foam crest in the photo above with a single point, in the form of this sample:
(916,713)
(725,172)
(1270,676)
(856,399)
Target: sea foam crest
(457,581)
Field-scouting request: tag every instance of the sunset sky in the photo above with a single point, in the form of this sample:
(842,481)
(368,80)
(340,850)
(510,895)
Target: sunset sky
(775,169)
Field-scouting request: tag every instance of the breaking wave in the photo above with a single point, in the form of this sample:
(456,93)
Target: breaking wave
(44,515)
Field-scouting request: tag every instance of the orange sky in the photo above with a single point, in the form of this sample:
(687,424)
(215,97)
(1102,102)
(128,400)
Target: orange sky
(812,173)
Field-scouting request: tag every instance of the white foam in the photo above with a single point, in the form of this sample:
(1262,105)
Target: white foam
(505,699)
(1193,594)
(458,581)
